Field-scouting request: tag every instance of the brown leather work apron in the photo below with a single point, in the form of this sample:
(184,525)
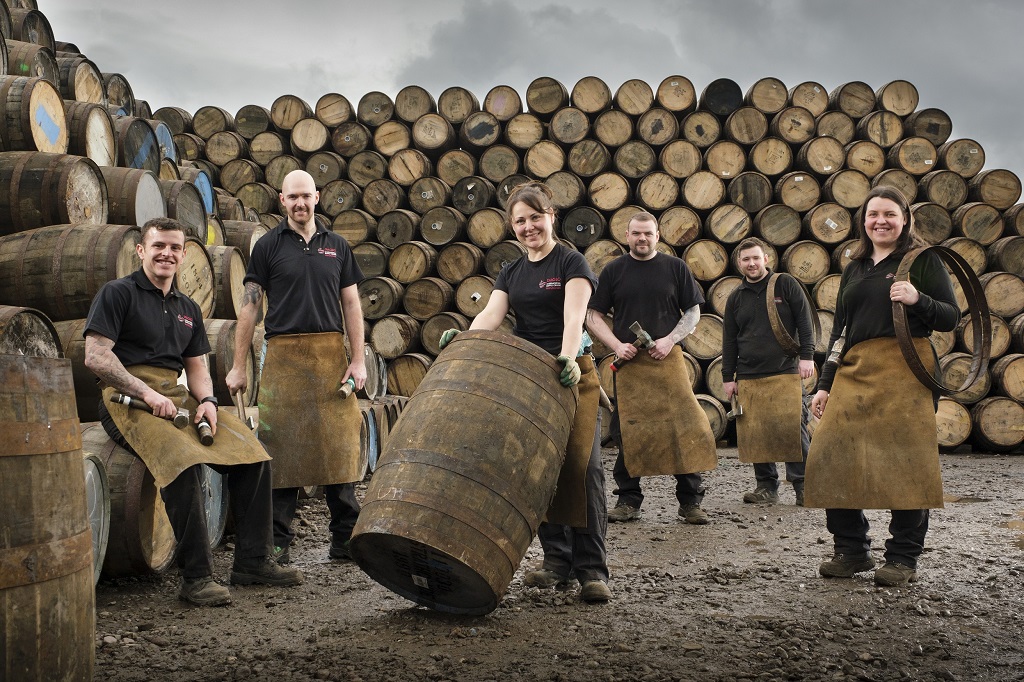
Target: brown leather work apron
(168,450)
(664,429)
(769,428)
(876,445)
(311,432)
(569,505)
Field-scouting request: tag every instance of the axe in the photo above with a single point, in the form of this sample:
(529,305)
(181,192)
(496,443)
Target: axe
(643,341)
(737,409)
(180,420)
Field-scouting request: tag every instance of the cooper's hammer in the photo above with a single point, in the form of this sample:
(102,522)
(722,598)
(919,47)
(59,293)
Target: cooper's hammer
(181,419)
(643,342)
(737,409)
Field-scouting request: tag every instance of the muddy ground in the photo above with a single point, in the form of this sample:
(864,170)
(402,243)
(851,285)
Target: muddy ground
(738,599)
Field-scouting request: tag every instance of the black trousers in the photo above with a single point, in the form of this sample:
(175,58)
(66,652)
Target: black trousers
(341,501)
(249,493)
(627,487)
(907,529)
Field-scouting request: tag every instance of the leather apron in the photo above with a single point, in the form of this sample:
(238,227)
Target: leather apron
(876,445)
(664,429)
(168,450)
(310,431)
(769,428)
(569,505)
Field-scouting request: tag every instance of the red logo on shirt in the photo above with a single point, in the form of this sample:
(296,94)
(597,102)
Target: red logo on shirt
(185,320)
(778,300)
(891,275)
(551,283)
(330,253)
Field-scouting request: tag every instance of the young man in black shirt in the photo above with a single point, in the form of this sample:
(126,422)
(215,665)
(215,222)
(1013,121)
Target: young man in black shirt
(652,288)
(772,427)
(139,335)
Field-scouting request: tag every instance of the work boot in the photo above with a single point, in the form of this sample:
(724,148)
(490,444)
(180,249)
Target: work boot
(546,579)
(799,493)
(842,566)
(595,592)
(203,591)
(281,555)
(340,550)
(692,513)
(895,575)
(623,512)
(264,571)
(762,495)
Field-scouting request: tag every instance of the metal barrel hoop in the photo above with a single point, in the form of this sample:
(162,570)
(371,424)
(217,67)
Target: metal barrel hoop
(782,335)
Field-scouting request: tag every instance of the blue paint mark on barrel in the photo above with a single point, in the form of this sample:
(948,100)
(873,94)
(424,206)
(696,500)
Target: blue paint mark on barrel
(166,140)
(205,187)
(46,124)
(146,151)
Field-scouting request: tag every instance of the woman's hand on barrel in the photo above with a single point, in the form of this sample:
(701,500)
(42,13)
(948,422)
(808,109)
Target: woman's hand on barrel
(571,373)
(818,403)
(446,338)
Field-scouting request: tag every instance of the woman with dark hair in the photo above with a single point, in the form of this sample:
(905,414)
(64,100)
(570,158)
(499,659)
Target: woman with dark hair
(549,290)
(876,446)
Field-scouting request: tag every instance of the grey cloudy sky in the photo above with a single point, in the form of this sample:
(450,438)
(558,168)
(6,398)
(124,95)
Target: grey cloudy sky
(964,57)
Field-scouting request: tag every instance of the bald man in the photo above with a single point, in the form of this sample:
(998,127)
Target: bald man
(309,276)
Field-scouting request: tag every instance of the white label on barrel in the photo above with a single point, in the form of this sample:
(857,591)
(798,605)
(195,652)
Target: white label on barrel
(828,168)
(799,178)
(831,223)
(420,581)
(927,162)
(475,297)
(674,83)
(471,186)
(973,151)
(817,89)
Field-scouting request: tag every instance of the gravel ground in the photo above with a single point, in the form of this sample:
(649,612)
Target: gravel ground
(738,599)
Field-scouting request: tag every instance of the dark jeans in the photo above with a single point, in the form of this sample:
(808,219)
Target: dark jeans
(767,475)
(581,552)
(688,486)
(341,500)
(907,529)
(248,490)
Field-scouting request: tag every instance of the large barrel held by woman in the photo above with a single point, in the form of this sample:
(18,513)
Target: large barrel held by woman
(458,554)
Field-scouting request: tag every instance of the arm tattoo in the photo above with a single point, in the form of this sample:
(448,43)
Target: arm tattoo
(253,294)
(101,360)
(687,323)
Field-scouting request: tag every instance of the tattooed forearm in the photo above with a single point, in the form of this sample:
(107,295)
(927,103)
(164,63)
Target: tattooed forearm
(100,359)
(253,294)
(687,323)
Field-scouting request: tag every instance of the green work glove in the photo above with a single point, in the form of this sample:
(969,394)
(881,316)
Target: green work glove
(446,338)
(570,375)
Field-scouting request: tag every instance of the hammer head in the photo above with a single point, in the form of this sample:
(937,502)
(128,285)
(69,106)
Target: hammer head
(736,411)
(181,419)
(642,337)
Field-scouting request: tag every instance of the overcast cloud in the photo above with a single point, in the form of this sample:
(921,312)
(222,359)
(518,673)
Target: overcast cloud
(964,57)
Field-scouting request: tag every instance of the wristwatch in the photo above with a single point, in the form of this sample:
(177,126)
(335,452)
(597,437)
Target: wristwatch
(210,399)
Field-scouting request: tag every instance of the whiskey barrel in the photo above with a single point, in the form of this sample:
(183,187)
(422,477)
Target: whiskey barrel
(1004,292)
(523,131)
(825,292)
(221,335)
(226,145)
(185,204)
(634,97)
(591,95)
(708,260)
(794,125)
(134,195)
(137,144)
(609,192)
(713,380)
(486,227)
(47,189)
(855,99)
(680,159)
(1008,376)
(588,158)
(412,102)
(808,261)
(997,423)
(568,126)
(120,98)
(355,225)
(380,296)
(427,297)
(34,117)
(810,95)
(503,102)
(725,158)
(767,95)
(459,260)
(210,119)
(406,166)
(943,187)
(372,259)
(837,125)
(326,166)
(472,193)
(97,496)
(243,235)
(997,187)
(427,193)
(341,195)
(260,197)
(456,103)
(432,329)
(898,178)
(406,372)
(442,225)
(350,137)
(47,585)
(29,59)
(778,224)
(90,132)
(750,191)
(728,224)
(252,120)
(472,294)
(932,124)
(497,162)
(24,331)
(657,127)
(333,109)
(898,97)
(953,369)
(501,254)
(828,223)
(915,155)
(190,147)
(771,156)
(932,222)
(567,189)
(613,128)
(465,576)
(799,191)
(177,119)
(80,80)
(657,191)
(366,166)
(721,97)
(433,134)
(970,250)
(165,141)
(964,157)
(978,221)
(703,190)
(952,423)
(287,110)
(397,227)
(195,276)
(543,159)
(865,156)
(1007,255)
(746,126)
(374,108)
(582,226)
(821,156)
(884,128)
(719,291)
(411,261)
(228,273)
(705,343)
(239,172)
(677,94)
(1000,342)
(545,96)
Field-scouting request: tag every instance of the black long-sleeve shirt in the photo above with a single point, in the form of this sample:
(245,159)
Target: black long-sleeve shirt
(865,309)
(749,347)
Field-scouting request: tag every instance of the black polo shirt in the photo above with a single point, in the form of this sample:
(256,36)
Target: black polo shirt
(653,292)
(147,327)
(303,282)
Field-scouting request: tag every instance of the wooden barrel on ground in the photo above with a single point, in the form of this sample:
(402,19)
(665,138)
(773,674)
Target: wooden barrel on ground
(459,555)
(48,189)
(221,335)
(411,261)
(120,98)
(952,423)
(141,541)
(97,497)
(997,423)
(91,132)
(59,269)
(34,117)
(29,59)
(394,335)
(47,582)
(133,195)
(406,372)
(24,331)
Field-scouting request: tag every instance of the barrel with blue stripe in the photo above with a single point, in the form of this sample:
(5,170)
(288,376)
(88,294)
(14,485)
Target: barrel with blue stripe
(137,144)
(200,178)
(165,138)
(33,116)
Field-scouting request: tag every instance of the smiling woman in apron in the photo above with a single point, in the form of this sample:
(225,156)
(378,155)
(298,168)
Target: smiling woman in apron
(876,446)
